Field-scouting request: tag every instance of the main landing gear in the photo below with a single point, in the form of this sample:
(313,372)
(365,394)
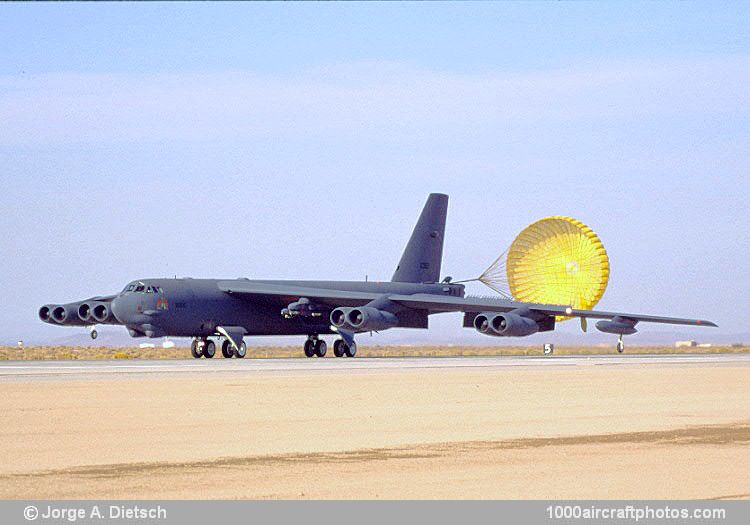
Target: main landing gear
(341,349)
(229,351)
(201,347)
(315,347)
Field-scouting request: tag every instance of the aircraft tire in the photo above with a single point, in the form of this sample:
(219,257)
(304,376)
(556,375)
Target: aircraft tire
(320,348)
(337,351)
(195,350)
(350,351)
(226,349)
(209,349)
(241,352)
(309,348)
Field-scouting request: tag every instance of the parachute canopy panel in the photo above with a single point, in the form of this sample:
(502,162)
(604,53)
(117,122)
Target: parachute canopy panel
(555,260)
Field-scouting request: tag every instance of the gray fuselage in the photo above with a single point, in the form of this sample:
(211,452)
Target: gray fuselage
(195,307)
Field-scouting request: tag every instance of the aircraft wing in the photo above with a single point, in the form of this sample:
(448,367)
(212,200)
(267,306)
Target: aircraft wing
(284,293)
(437,303)
(102,298)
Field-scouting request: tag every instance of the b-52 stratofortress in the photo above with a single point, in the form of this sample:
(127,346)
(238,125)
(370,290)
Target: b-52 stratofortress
(222,313)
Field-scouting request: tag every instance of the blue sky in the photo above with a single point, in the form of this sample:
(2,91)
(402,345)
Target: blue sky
(300,140)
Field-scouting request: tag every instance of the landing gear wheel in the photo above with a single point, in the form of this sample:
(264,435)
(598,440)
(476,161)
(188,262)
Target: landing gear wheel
(94,334)
(620,346)
(241,351)
(338,348)
(196,349)
(320,348)
(350,351)
(226,349)
(309,348)
(209,349)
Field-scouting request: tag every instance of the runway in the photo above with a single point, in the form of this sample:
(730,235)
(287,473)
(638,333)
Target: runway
(29,370)
(456,427)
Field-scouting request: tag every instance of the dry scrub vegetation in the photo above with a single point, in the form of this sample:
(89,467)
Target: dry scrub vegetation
(269,352)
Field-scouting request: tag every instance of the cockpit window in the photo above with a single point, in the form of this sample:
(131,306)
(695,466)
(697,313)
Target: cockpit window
(139,287)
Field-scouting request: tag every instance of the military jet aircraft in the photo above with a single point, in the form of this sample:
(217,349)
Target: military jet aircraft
(221,313)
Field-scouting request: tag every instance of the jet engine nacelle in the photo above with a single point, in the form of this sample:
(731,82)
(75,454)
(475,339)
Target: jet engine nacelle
(85,313)
(482,324)
(102,313)
(45,313)
(618,325)
(339,317)
(508,324)
(363,319)
(513,325)
(65,314)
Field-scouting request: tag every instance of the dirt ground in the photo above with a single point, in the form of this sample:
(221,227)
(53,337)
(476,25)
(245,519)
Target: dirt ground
(610,431)
(35,353)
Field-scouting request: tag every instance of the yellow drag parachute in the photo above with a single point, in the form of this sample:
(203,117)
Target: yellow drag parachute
(555,260)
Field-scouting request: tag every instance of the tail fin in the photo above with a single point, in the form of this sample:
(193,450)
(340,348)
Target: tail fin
(420,262)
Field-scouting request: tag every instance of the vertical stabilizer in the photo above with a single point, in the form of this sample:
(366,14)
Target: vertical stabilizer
(420,262)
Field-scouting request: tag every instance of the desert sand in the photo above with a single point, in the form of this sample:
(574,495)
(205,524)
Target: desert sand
(78,353)
(611,431)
